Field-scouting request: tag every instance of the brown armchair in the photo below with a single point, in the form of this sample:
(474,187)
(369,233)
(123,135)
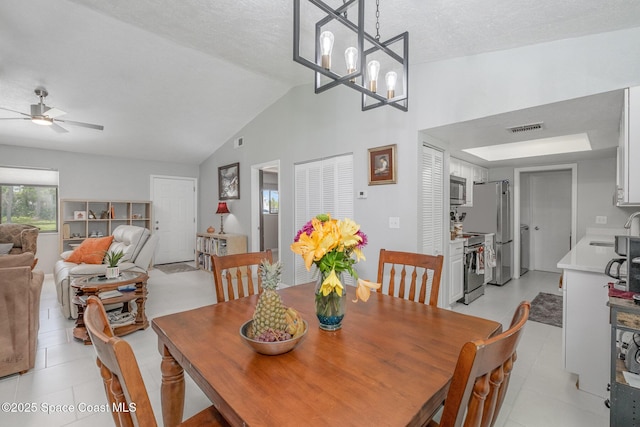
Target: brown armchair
(20,289)
(24,237)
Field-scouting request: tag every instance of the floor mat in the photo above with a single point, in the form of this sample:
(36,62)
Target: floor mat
(176,267)
(547,309)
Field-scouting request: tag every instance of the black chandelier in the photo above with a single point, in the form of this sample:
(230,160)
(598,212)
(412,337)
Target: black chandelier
(363,52)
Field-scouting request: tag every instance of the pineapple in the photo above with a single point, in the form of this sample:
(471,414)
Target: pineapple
(270,311)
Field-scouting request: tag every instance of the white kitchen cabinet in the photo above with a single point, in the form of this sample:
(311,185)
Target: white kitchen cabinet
(456,270)
(585,333)
(586,336)
(628,176)
(473,173)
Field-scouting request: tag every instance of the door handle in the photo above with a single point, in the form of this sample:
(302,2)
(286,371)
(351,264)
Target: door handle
(537,228)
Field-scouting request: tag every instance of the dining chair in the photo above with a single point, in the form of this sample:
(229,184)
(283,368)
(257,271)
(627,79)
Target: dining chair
(123,382)
(404,263)
(481,377)
(239,268)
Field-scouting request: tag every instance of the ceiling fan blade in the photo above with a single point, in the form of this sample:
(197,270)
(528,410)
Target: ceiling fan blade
(54,112)
(57,128)
(14,111)
(15,118)
(86,125)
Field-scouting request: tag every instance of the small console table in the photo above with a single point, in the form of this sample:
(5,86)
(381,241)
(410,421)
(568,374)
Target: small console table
(95,285)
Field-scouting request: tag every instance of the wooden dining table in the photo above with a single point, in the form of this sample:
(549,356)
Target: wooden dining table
(389,365)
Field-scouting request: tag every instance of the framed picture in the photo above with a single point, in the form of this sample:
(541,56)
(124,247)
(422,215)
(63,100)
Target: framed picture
(382,165)
(229,182)
(79,215)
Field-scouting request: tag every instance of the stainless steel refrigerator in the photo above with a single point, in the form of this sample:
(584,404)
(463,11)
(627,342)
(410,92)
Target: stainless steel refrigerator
(491,213)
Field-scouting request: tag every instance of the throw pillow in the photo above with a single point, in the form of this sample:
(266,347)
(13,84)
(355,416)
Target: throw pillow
(5,248)
(91,250)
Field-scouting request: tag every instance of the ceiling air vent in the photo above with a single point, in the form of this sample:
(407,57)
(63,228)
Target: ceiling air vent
(526,128)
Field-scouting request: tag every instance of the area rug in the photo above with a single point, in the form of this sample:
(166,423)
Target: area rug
(547,309)
(176,267)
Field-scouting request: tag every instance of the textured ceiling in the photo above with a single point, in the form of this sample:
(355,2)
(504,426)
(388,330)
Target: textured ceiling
(173,80)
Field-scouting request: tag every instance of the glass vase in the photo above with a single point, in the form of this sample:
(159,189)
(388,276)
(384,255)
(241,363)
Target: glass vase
(330,309)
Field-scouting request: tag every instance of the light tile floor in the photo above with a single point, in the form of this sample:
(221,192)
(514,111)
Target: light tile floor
(541,394)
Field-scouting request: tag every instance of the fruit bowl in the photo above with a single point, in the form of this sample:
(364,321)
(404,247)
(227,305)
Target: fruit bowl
(271,348)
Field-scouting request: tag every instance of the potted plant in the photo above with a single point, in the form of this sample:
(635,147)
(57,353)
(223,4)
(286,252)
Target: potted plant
(112,258)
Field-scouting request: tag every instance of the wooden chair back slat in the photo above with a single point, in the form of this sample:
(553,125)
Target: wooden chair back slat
(399,264)
(403,283)
(239,269)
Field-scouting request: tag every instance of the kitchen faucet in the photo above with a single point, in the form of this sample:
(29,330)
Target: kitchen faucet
(628,223)
(633,226)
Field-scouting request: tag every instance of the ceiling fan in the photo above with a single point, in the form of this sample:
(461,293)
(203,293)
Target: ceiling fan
(44,115)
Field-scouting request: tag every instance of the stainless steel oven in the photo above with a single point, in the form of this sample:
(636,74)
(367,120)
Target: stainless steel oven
(457,190)
(473,273)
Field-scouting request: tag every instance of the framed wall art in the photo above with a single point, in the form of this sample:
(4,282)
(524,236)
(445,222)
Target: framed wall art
(229,182)
(382,165)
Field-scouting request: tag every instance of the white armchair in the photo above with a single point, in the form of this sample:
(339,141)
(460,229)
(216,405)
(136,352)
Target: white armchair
(136,243)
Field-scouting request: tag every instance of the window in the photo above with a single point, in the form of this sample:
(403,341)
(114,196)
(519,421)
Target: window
(270,202)
(29,196)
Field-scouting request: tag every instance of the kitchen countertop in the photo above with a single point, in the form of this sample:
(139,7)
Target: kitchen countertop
(587,257)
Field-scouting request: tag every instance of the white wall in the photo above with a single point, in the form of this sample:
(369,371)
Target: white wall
(477,86)
(85,176)
(302,126)
(596,186)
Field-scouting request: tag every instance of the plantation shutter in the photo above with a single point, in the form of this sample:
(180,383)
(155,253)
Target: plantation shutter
(432,201)
(321,186)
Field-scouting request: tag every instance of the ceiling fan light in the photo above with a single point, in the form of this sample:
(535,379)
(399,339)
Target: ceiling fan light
(42,121)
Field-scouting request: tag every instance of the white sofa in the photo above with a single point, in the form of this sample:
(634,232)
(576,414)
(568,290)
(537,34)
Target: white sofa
(138,246)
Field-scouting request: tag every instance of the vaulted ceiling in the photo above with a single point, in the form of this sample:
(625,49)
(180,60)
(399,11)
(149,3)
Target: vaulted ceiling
(173,80)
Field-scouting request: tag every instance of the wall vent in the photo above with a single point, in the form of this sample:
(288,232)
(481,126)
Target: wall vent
(526,128)
(239,142)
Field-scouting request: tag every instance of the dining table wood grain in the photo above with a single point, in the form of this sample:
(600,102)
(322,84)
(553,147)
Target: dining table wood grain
(389,365)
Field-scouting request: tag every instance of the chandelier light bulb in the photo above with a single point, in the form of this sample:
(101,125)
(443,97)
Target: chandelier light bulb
(373,68)
(391,78)
(326,46)
(351,58)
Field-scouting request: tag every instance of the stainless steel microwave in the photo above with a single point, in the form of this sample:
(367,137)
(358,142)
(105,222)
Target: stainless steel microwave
(457,190)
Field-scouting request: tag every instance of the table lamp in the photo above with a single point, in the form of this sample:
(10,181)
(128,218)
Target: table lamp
(222,209)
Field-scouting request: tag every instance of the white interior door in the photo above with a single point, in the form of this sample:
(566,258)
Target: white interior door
(332,179)
(174,220)
(550,229)
(432,201)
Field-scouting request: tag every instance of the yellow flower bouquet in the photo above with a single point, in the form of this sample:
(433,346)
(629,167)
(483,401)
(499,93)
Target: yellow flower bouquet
(334,246)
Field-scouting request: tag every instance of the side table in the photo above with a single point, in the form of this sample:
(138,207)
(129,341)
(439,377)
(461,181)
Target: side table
(95,285)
